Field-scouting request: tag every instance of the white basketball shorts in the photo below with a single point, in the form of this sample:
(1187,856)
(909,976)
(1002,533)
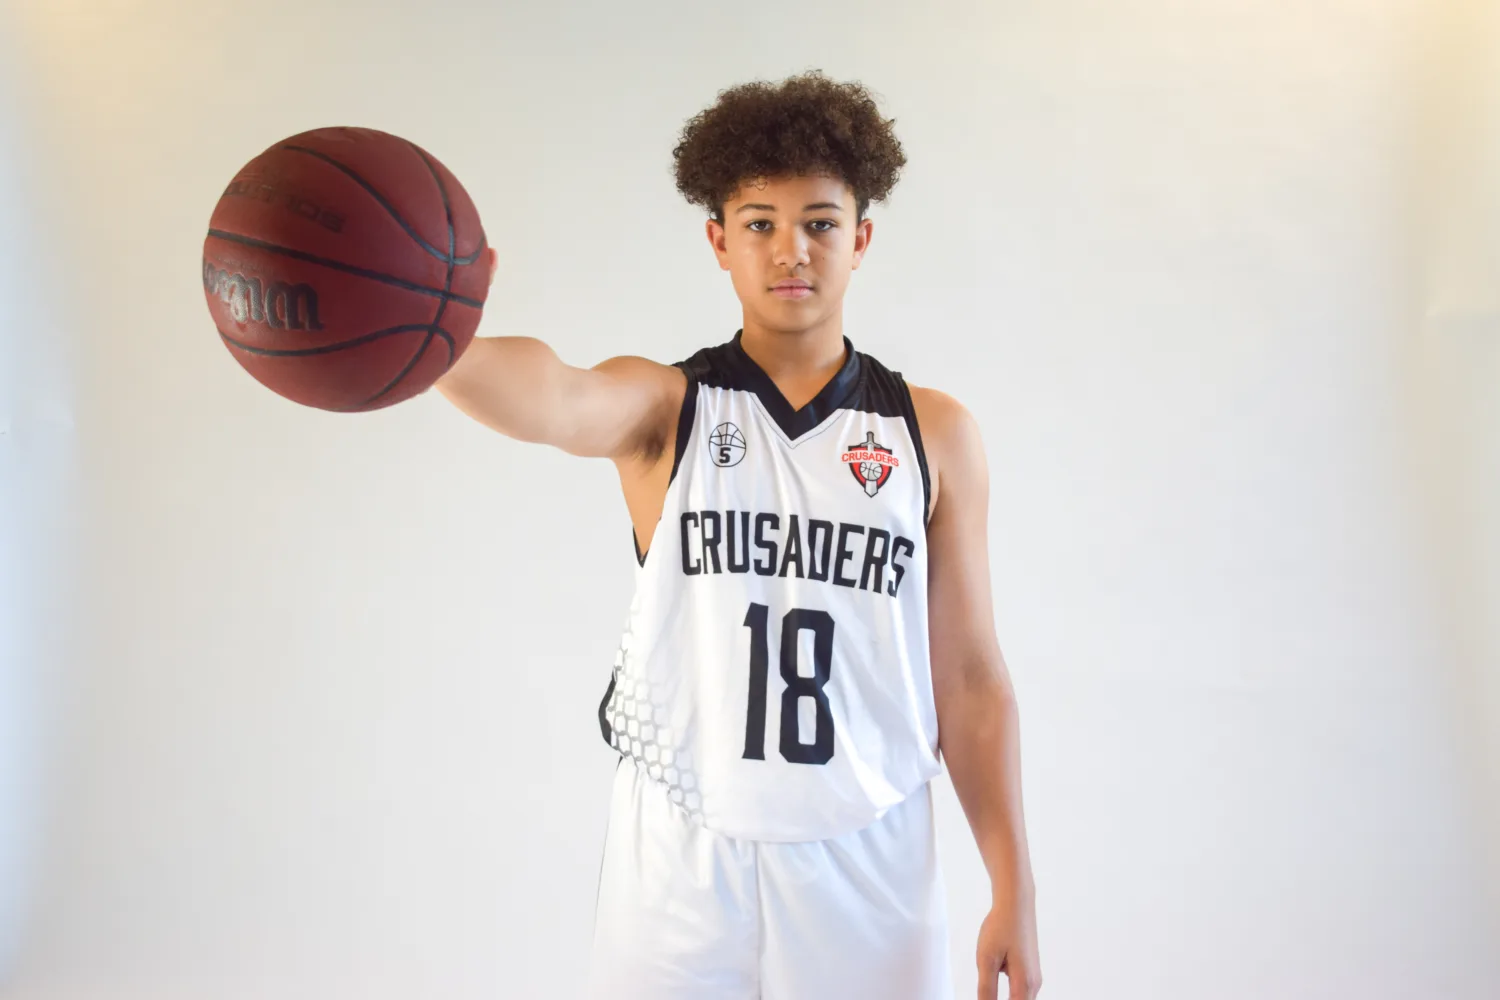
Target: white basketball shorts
(688,914)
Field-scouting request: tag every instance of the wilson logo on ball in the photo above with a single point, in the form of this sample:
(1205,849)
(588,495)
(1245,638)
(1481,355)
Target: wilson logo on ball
(871,464)
(268,189)
(279,305)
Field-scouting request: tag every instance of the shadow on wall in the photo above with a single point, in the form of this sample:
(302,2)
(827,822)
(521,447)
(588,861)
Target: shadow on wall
(1456,381)
(36,448)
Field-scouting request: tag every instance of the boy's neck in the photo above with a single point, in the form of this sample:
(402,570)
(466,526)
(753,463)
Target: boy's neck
(799,362)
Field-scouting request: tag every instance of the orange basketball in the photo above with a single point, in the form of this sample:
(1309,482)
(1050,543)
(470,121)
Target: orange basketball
(345,269)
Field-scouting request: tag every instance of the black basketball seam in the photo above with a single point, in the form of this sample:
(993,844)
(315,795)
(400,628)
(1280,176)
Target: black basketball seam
(447,281)
(380,276)
(452,233)
(390,209)
(342,345)
(405,371)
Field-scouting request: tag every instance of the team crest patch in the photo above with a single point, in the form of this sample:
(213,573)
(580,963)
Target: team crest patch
(727,445)
(871,464)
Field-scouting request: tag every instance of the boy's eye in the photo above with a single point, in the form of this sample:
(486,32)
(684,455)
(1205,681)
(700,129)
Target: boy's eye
(818,225)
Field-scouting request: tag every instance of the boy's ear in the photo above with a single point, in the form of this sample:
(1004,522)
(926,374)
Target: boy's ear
(862,235)
(714,229)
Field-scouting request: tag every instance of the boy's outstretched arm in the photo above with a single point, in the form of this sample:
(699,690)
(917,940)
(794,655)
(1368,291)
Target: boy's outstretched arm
(518,386)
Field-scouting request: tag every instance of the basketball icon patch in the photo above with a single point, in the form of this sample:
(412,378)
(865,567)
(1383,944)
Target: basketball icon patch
(871,464)
(727,445)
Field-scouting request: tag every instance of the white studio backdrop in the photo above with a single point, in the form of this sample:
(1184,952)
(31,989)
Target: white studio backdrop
(1455,366)
(324,707)
(37,489)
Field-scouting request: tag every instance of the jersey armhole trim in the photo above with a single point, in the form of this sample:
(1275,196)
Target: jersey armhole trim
(684,420)
(909,414)
(679,447)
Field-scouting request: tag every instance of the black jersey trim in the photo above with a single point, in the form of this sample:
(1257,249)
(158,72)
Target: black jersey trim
(862,384)
(835,395)
(605,729)
(684,432)
(909,414)
(727,366)
(684,418)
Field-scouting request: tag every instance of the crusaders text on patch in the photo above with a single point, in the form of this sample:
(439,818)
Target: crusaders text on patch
(871,464)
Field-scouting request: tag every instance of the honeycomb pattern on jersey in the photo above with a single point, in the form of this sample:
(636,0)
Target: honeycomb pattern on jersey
(638,722)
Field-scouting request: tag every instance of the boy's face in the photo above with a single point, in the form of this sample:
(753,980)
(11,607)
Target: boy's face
(789,245)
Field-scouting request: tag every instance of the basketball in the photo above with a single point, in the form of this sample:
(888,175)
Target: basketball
(344,269)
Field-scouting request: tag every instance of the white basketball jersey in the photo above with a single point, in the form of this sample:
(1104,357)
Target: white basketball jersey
(774,673)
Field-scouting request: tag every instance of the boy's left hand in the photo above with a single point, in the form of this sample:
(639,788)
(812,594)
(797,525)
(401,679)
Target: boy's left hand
(1007,944)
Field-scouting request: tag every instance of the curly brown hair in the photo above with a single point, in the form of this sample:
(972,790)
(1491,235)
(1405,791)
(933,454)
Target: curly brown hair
(807,124)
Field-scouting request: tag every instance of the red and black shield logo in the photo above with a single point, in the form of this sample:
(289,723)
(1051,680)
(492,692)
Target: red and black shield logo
(871,464)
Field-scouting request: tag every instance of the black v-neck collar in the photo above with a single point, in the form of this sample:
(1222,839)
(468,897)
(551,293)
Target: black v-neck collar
(795,423)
